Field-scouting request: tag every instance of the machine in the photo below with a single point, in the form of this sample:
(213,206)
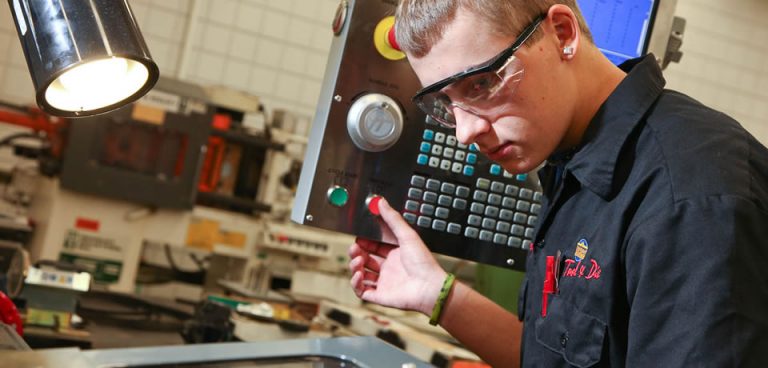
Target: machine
(351,352)
(369,141)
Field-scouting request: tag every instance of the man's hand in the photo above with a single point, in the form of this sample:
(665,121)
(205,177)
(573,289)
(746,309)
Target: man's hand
(404,276)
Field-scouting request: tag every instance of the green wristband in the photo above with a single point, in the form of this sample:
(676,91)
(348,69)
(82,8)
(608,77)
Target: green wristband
(437,310)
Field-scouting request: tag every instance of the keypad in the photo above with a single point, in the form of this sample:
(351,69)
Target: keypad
(508,213)
(443,151)
(430,202)
(490,210)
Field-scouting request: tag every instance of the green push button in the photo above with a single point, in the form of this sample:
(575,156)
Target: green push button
(338,196)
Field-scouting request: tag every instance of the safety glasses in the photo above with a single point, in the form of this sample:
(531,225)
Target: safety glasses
(478,89)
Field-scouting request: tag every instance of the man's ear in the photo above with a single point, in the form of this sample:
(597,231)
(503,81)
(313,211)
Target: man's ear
(567,30)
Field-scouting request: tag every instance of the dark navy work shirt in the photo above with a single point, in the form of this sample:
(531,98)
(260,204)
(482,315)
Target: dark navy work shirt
(661,218)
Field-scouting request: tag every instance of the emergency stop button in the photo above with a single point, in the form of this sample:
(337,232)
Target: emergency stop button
(385,40)
(338,196)
(373,204)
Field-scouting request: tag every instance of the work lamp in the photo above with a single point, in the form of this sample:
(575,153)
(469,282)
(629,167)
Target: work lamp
(85,57)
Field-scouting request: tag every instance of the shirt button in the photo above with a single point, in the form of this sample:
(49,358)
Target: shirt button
(564,339)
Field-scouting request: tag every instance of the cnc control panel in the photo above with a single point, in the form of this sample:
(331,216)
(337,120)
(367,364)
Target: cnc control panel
(369,140)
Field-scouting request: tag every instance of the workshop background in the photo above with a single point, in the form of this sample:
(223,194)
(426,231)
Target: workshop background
(275,51)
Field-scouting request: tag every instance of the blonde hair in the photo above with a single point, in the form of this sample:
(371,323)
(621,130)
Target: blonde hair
(420,24)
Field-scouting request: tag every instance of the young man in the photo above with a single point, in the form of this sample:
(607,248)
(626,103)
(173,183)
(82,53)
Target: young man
(652,244)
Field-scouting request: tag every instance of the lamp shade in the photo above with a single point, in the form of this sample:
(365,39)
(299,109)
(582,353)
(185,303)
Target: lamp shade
(86,57)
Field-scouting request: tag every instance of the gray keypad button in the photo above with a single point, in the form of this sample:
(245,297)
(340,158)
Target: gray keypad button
(486,235)
(457,167)
(526,194)
(448,188)
(445,165)
(474,220)
(442,213)
(448,152)
(532,220)
(459,204)
(444,200)
(412,206)
(480,196)
(434,162)
(437,150)
(508,202)
(491,211)
(462,192)
(424,221)
(414,193)
(503,227)
(430,197)
(471,232)
(462,145)
(418,181)
(440,137)
(537,197)
(489,224)
(523,206)
(460,156)
(433,185)
(477,208)
(506,215)
(410,218)
(497,187)
(511,190)
(494,199)
(529,233)
(536,209)
(500,239)
(427,209)
(451,140)
(514,242)
(454,228)
(517,230)
(520,218)
(527,244)
(439,225)
(483,184)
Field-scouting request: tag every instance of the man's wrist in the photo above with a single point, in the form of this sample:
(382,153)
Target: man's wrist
(440,301)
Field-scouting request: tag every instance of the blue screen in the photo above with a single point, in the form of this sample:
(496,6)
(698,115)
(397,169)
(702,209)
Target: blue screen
(619,27)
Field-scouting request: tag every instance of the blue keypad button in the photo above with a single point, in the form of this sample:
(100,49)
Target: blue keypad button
(495,170)
(471,158)
(469,170)
(473,148)
(422,159)
(429,135)
(425,147)
(522,177)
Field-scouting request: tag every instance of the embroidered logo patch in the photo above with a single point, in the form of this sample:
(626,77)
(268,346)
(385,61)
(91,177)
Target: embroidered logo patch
(581,250)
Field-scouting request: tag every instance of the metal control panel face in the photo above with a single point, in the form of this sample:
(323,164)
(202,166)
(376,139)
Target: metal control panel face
(369,141)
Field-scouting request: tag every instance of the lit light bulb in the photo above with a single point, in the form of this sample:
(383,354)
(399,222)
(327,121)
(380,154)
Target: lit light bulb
(96,84)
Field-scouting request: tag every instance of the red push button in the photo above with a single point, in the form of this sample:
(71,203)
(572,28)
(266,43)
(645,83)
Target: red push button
(392,39)
(373,204)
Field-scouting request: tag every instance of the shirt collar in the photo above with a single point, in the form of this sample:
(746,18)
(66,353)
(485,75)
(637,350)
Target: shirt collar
(595,162)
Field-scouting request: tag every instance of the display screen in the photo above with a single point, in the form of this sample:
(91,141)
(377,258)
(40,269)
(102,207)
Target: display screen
(620,27)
